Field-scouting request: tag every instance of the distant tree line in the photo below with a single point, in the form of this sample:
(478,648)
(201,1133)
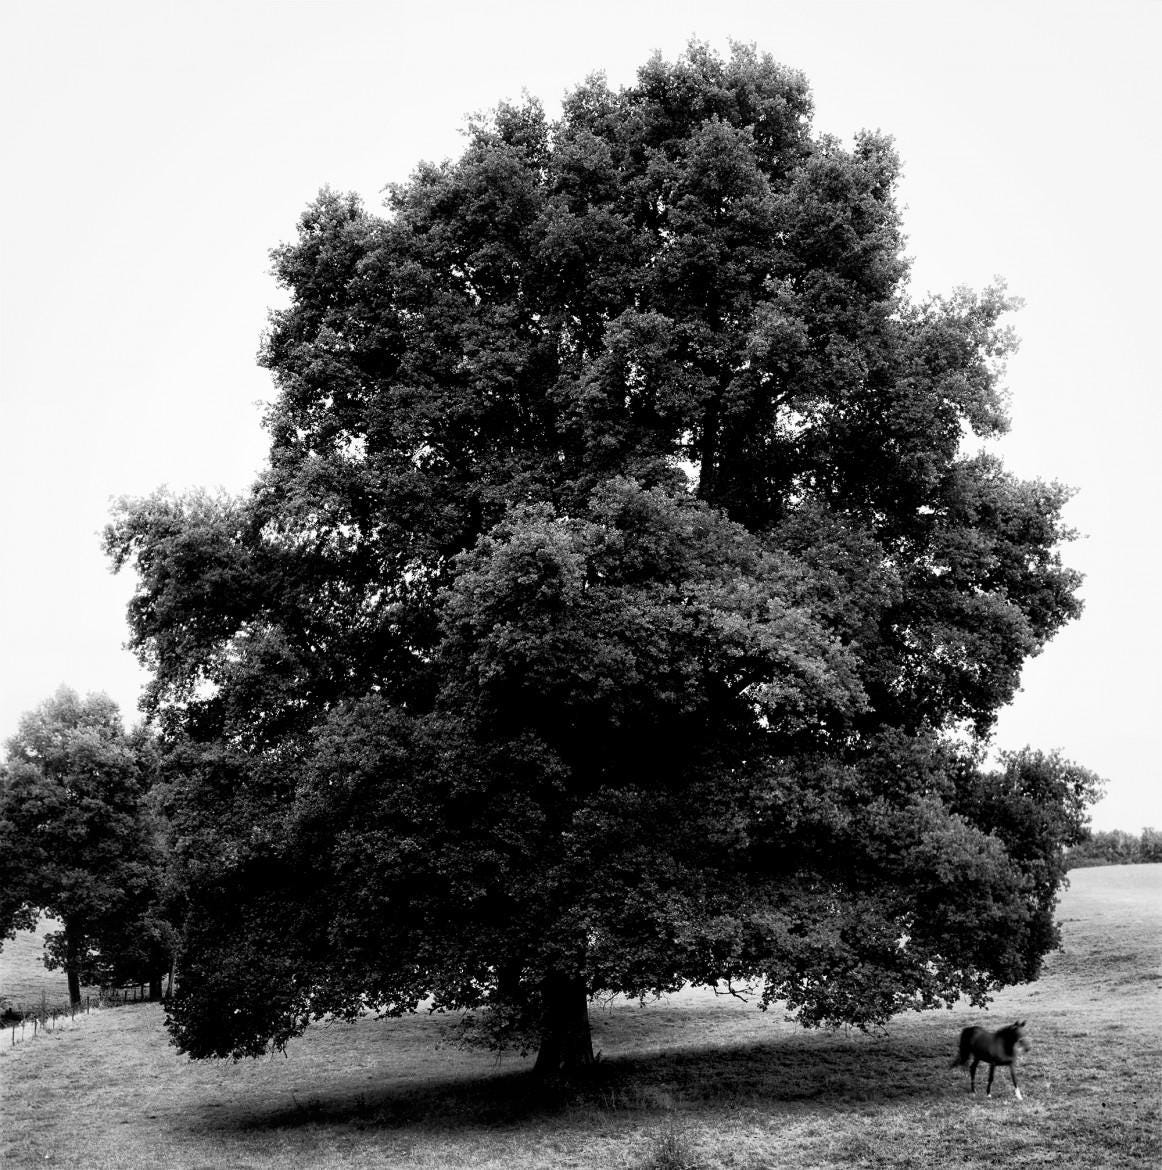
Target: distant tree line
(1117,847)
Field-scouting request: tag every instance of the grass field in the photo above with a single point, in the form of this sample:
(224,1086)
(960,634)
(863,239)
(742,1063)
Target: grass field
(692,1081)
(24,983)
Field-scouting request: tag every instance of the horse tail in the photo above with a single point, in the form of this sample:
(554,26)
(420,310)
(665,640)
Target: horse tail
(965,1049)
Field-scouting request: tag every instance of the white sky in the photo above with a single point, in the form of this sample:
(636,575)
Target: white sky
(154,152)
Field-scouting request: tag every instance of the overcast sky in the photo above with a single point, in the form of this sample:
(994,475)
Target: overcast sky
(154,153)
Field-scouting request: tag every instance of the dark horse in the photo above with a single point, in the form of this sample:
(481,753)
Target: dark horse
(1003,1047)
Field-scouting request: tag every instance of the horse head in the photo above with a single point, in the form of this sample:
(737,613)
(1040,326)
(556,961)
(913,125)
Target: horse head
(1020,1040)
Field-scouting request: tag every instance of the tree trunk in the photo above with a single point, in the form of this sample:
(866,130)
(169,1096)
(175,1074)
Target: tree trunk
(72,965)
(566,1043)
(154,988)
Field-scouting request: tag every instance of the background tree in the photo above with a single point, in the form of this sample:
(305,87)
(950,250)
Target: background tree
(621,605)
(77,843)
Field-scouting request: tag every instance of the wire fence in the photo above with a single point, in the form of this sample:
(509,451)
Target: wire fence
(27,1024)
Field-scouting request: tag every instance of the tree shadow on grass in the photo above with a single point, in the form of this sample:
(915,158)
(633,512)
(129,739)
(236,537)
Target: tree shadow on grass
(847,1073)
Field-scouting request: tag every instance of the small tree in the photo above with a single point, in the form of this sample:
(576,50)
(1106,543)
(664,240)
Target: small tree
(77,843)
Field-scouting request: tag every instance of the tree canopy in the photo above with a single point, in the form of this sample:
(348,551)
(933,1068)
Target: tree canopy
(77,842)
(623,603)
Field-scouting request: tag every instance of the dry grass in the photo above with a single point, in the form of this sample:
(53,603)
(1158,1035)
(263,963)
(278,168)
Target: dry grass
(694,1081)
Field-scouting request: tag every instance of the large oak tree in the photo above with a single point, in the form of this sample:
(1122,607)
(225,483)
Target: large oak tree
(623,603)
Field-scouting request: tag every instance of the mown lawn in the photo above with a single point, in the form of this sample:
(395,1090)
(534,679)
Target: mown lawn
(694,1080)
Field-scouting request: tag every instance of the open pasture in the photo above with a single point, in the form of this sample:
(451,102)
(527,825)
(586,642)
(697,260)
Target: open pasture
(24,983)
(694,1080)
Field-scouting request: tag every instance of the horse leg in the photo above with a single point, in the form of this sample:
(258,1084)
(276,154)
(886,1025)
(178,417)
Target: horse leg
(972,1074)
(1013,1074)
(992,1072)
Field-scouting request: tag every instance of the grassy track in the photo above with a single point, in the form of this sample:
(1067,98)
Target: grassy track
(694,1080)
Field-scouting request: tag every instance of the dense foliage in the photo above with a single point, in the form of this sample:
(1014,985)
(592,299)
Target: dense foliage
(621,604)
(77,841)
